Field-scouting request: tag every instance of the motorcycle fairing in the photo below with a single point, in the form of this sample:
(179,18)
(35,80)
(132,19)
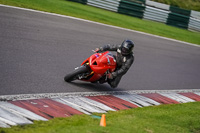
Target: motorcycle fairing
(100,63)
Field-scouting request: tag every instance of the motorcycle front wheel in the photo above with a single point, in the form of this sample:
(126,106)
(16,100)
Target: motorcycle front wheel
(74,75)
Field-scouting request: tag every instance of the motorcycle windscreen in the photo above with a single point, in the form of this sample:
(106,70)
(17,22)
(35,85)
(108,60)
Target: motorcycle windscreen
(108,59)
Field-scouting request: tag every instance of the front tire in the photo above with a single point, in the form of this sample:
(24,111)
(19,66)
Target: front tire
(74,75)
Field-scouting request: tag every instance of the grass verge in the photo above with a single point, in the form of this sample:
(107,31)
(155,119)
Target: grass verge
(175,118)
(99,15)
(187,4)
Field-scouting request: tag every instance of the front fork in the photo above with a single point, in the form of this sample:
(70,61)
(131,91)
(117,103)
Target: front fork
(85,75)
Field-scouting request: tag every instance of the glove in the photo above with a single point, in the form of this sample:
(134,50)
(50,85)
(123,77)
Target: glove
(96,50)
(110,76)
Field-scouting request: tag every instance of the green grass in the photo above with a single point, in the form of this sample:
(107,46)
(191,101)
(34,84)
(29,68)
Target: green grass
(186,4)
(176,118)
(99,15)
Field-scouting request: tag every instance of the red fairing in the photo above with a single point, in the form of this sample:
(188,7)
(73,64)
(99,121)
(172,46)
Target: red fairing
(99,64)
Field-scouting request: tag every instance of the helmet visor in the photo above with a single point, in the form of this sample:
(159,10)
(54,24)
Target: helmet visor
(125,50)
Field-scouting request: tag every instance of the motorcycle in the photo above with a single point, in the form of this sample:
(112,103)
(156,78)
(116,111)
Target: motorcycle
(93,68)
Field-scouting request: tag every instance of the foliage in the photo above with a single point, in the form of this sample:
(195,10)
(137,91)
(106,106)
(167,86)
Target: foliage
(185,4)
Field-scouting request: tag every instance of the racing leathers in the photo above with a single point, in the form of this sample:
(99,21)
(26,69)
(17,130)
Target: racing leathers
(124,62)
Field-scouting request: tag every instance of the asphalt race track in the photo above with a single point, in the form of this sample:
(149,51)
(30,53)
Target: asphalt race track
(37,50)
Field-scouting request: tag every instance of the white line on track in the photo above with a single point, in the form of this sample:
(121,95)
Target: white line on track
(99,24)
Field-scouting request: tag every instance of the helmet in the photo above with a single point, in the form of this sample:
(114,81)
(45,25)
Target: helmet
(127,47)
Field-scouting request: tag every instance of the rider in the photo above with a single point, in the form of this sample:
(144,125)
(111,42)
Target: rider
(124,60)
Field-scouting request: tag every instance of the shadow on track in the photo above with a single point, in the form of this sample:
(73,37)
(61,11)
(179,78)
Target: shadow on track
(94,86)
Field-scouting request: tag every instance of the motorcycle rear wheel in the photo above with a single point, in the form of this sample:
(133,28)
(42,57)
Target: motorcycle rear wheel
(74,75)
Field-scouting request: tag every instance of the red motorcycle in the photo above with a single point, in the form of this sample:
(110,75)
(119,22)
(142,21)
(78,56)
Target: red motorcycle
(93,68)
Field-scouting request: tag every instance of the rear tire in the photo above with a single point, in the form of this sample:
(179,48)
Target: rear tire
(74,75)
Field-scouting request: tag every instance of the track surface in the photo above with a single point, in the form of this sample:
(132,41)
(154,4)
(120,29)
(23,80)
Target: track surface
(37,50)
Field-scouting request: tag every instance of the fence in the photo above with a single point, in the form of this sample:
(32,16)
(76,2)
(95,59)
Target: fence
(111,5)
(80,1)
(194,24)
(147,9)
(131,8)
(155,14)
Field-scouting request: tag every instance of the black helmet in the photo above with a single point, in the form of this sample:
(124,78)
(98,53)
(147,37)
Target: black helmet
(127,47)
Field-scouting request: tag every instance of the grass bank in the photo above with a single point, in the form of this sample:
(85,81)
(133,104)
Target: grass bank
(99,15)
(180,118)
(186,4)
